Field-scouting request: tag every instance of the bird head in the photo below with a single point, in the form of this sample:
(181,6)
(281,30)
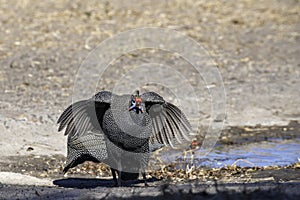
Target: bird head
(136,103)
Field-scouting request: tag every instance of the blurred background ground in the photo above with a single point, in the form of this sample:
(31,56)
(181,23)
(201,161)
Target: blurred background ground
(42,44)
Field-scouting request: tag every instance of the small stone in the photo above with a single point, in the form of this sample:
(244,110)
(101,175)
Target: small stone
(30,149)
(43,175)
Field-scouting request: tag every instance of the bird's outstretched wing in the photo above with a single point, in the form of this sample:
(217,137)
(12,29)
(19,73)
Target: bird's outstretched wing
(170,125)
(82,121)
(83,116)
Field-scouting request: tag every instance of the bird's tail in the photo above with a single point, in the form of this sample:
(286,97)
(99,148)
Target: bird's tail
(90,147)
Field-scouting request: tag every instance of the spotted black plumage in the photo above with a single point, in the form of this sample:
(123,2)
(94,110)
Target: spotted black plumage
(106,129)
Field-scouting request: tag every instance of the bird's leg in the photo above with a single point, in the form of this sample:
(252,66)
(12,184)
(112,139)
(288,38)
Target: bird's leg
(113,172)
(119,171)
(145,179)
(119,178)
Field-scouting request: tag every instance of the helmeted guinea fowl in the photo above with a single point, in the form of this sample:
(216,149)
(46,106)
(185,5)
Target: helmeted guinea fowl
(121,131)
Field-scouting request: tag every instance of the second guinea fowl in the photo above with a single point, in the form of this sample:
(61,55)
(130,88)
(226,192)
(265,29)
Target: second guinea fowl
(121,131)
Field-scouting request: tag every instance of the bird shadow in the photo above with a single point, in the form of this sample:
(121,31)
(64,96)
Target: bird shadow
(95,182)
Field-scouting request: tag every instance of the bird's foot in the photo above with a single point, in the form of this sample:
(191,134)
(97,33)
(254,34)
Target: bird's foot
(146,184)
(145,179)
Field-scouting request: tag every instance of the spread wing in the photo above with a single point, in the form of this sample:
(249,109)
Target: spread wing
(82,123)
(170,125)
(85,115)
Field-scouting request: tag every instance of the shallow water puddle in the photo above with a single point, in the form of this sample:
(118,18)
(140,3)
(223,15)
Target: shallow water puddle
(275,153)
(267,153)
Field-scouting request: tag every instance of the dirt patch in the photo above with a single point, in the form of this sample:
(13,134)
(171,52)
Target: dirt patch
(239,135)
(231,181)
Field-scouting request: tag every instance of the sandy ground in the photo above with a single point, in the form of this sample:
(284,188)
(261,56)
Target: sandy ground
(42,44)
